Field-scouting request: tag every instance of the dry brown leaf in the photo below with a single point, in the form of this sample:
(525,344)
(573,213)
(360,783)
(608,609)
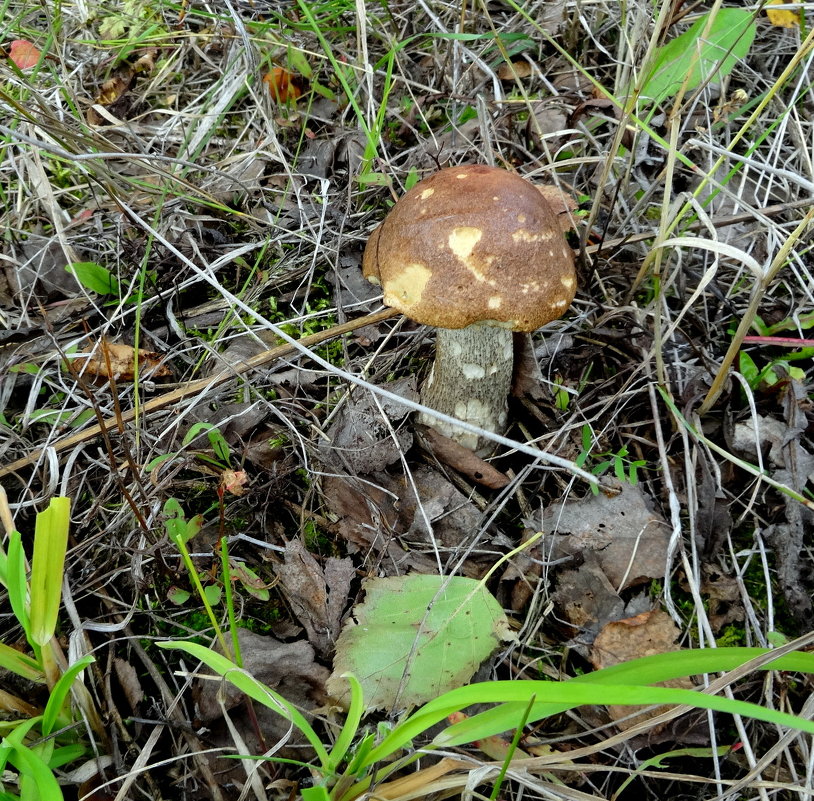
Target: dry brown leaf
(562,204)
(629,538)
(317,596)
(646,634)
(129,682)
(517,69)
(120,361)
(365,437)
(586,598)
(462,459)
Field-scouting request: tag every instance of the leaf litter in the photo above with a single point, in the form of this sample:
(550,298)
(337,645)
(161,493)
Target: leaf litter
(268,190)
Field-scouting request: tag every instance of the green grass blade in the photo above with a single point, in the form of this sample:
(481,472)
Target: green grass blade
(254,689)
(59,692)
(35,772)
(350,727)
(16,582)
(567,695)
(20,664)
(50,545)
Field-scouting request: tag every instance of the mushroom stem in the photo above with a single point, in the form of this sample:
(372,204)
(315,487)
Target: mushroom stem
(470,379)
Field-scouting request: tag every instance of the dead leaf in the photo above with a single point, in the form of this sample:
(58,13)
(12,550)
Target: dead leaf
(516,69)
(586,598)
(781,17)
(129,682)
(289,669)
(24,54)
(317,596)
(283,85)
(111,91)
(365,437)
(646,634)
(118,361)
(40,270)
(426,497)
(367,520)
(111,95)
(523,574)
(629,539)
(234,481)
(562,204)
(724,592)
(462,459)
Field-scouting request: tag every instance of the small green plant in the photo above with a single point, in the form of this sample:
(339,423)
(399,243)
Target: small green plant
(35,742)
(768,375)
(624,468)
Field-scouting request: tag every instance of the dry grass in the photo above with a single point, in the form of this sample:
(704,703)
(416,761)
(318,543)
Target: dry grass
(225,215)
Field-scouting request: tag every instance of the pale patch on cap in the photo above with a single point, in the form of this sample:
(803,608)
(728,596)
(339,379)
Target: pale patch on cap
(405,289)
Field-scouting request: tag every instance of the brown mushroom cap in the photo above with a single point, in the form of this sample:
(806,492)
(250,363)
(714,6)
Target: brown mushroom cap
(473,244)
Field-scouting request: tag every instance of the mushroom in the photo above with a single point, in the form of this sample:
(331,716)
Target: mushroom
(478,253)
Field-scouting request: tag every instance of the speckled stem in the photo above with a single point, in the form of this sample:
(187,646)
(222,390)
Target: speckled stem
(470,379)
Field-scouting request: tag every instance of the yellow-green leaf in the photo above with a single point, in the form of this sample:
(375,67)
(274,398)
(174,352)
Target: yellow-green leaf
(50,545)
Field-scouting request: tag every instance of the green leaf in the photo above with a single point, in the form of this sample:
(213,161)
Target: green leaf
(696,59)
(15,581)
(251,582)
(47,565)
(415,637)
(216,439)
(94,277)
(21,664)
(298,62)
(213,593)
(748,369)
(178,596)
(59,692)
(34,770)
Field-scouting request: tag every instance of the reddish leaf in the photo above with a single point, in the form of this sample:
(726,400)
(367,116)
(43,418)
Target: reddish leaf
(24,54)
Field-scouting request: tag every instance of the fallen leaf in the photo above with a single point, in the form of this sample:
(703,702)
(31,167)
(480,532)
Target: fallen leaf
(24,54)
(317,596)
(462,459)
(118,361)
(629,538)
(562,204)
(645,634)
(364,437)
(781,17)
(426,497)
(283,85)
(725,602)
(516,69)
(409,641)
(586,599)
(129,682)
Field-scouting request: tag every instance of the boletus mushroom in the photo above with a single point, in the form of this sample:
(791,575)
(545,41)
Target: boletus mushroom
(478,253)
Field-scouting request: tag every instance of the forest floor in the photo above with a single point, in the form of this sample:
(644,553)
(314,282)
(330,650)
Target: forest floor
(188,186)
